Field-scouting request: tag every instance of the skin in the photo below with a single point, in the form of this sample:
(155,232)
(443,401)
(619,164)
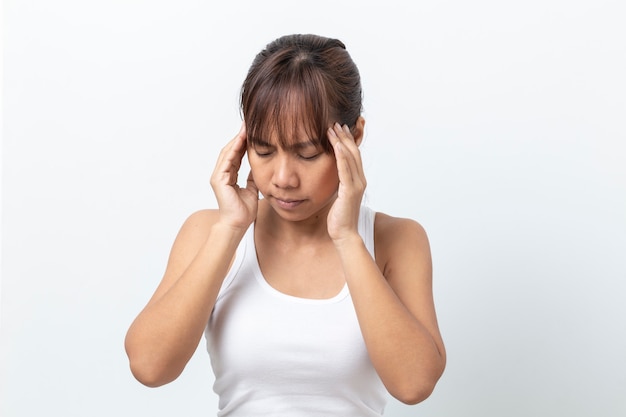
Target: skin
(310,211)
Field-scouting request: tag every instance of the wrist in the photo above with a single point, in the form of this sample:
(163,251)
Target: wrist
(348,242)
(227,231)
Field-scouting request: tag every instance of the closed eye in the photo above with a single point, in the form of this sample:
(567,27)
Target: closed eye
(262,154)
(309,157)
(263,150)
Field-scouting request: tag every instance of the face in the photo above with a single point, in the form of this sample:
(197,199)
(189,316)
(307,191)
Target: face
(298,181)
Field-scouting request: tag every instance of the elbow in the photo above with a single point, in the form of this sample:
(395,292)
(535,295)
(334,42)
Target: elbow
(412,395)
(150,371)
(415,390)
(149,376)
(153,375)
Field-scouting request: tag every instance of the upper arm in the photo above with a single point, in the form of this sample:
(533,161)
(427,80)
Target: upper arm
(190,238)
(403,255)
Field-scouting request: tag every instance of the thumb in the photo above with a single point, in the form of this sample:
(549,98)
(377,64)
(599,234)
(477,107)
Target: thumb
(251,185)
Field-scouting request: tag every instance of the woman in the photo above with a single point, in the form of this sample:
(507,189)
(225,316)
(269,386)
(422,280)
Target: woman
(311,303)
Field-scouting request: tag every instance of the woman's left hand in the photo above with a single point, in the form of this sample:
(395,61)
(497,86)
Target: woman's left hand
(343,217)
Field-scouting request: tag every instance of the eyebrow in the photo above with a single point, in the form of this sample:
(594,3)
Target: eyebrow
(294,146)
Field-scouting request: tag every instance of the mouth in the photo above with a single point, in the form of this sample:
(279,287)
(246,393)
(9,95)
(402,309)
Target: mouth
(287,203)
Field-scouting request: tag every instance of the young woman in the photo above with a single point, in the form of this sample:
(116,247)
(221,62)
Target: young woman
(311,303)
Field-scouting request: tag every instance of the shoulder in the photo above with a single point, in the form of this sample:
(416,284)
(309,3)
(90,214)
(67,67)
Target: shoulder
(200,221)
(396,231)
(192,234)
(399,240)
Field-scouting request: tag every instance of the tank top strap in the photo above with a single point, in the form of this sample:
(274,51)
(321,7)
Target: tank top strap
(245,246)
(367,217)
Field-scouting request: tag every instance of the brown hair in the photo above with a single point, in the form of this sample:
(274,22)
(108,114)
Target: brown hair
(300,82)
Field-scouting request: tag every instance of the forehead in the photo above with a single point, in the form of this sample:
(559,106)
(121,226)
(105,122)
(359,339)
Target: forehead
(288,114)
(287,127)
(290,137)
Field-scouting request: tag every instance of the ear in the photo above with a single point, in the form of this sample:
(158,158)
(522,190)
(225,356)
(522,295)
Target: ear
(359,128)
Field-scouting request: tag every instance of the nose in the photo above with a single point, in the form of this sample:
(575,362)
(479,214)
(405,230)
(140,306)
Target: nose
(285,172)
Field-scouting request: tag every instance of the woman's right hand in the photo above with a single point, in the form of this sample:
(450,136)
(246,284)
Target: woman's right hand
(237,206)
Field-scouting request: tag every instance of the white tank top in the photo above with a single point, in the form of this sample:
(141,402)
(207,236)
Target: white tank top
(274,354)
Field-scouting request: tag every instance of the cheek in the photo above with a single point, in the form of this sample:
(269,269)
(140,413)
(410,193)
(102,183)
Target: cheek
(329,175)
(256,169)
(258,175)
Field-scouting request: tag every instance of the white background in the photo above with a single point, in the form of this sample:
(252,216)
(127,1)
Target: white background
(499,125)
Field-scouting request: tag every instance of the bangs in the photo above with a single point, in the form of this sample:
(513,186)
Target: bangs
(287,107)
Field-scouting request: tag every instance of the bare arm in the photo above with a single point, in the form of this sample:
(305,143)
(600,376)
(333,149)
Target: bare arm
(166,333)
(394,307)
(164,336)
(396,310)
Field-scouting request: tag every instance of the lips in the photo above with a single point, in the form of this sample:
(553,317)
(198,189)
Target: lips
(287,203)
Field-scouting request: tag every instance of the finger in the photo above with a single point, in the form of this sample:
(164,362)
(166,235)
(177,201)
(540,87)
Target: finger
(239,143)
(350,151)
(343,134)
(229,159)
(350,157)
(350,143)
(234,145)
(345,168)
